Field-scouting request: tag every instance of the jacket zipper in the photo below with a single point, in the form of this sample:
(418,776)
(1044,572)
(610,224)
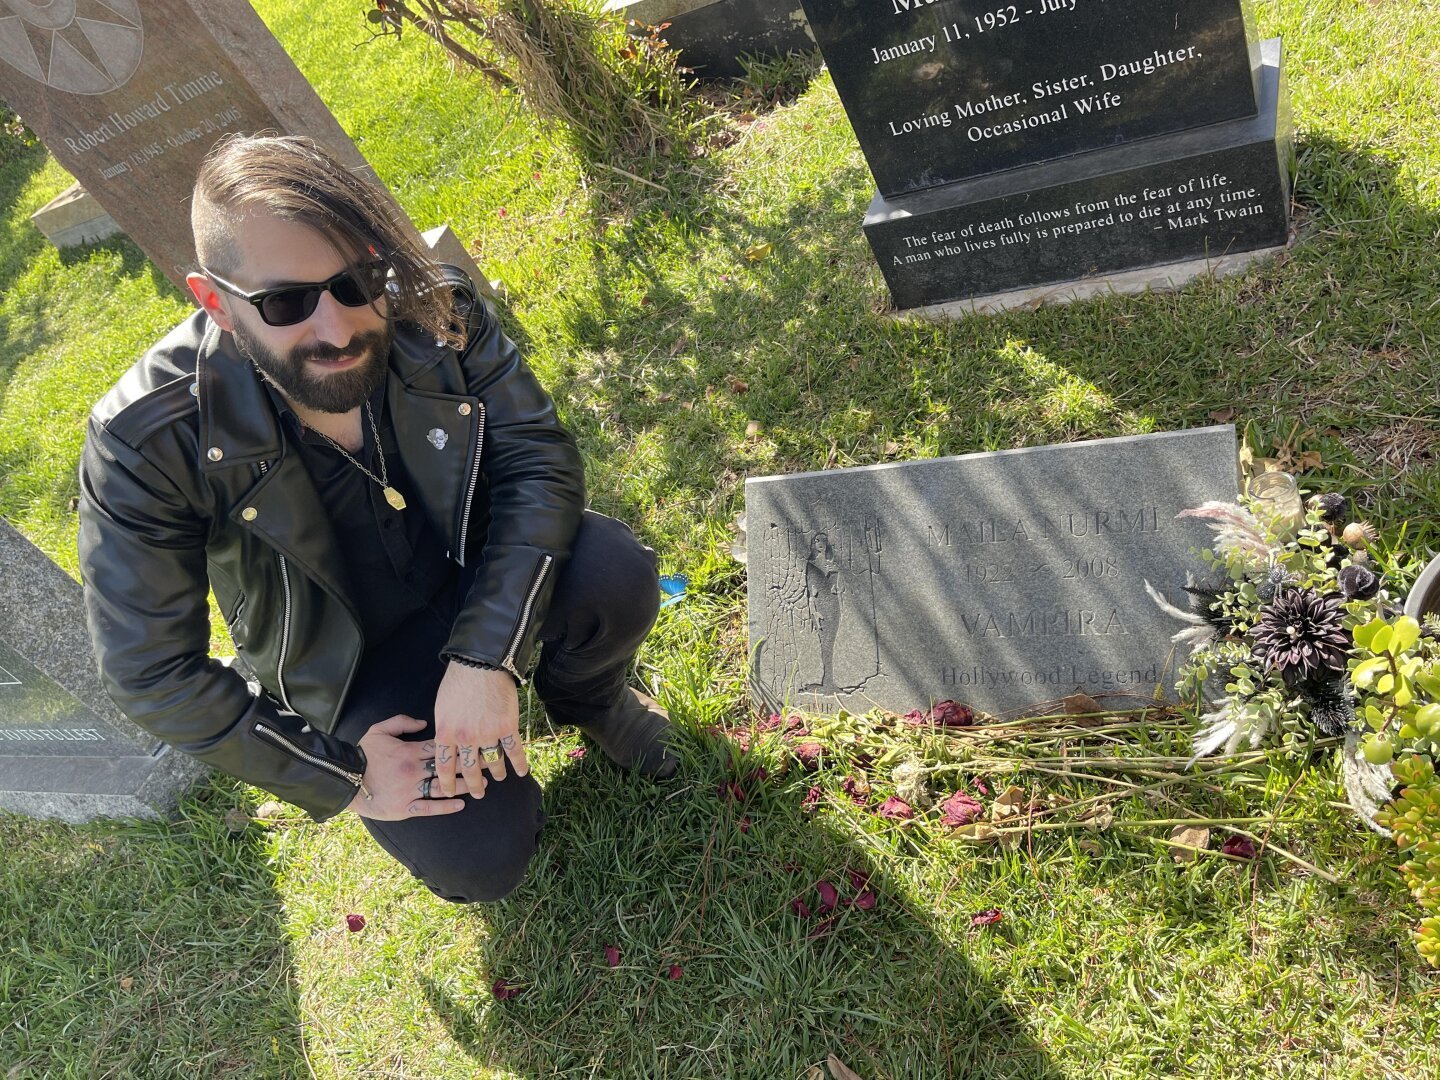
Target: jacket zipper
(509,662)
(285,623)
(305,755)
(474,480)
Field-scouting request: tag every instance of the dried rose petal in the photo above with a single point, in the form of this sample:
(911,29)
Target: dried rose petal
(986,917)
(812,799)
(916,718)
(823,927)
(731,789)
(829,896)
(355,923)
(981,786)
(897,809)
(772,722)
(759,775)
(795,724)
(858,790)
(866,900)
(745,824)
(742,740)
(961,809)
(503,991)
(799,907)
(952,714)
(809,755)
(1242,847)
(577,753)
(674,972)
(612,955)
(859,879)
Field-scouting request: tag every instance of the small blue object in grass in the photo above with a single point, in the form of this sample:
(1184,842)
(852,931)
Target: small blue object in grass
(672,588)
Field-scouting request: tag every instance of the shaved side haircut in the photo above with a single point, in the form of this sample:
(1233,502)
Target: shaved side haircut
(292,178)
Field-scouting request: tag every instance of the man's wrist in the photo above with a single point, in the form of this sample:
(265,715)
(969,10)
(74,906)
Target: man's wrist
(471,662)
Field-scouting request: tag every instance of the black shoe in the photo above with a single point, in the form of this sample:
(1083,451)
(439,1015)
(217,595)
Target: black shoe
(636,735)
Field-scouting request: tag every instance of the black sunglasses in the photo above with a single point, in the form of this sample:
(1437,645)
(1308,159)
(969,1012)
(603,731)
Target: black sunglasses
(287,305)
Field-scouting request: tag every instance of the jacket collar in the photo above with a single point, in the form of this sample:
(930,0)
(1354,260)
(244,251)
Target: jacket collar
(237,417)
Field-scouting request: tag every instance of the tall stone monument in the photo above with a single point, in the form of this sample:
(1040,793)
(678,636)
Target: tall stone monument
(66,752)
(1053,148)
(129,97)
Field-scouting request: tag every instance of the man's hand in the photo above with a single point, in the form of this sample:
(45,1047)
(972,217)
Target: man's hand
(395,774)
(477,717)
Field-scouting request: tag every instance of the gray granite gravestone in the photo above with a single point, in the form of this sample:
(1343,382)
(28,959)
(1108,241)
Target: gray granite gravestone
(65,750)
(1000,580)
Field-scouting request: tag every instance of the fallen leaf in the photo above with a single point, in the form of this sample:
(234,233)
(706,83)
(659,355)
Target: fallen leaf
(127,982)
(674,972)
(1099,820)
(979,832)
(960,809)
(1241,847)
(270,809)
(503,991)
(987,917)
(1089,844)
(612,955)
(1191,837)
(839,1070)
(236,820)
(1078,704)
(1223,416)
(681,343)
(814,1073)
(1011,803)
(738,386)
(752,429)
(892,448)
(354,923)
(1309,459)
(759,251)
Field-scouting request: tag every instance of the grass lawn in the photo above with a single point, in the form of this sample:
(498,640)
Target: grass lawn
(187,949)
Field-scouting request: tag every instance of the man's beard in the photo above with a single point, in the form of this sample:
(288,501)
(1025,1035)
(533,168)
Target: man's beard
(338,392)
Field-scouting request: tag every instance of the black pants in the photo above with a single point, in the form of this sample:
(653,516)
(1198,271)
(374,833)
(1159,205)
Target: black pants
(603,605)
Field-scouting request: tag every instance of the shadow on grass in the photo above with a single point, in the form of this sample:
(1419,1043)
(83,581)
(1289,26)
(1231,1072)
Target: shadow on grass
(670,876)
(145,948)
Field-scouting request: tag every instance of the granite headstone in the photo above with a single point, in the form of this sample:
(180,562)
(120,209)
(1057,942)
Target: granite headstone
(66,752)
(129,98)
(999,579)
(942,90)
(1194,195)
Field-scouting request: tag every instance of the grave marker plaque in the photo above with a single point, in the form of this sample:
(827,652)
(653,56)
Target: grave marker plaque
(66,752)
(1000,580)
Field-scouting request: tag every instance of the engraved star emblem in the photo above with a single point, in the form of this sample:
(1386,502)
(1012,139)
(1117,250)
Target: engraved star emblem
(81,46)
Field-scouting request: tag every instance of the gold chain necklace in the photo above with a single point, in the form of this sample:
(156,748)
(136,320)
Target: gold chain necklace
(393,497)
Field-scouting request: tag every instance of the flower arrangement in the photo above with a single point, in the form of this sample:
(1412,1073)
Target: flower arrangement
(1295,640)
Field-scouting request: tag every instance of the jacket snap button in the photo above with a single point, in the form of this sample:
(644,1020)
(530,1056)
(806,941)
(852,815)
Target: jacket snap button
(215,453)
(249,513)
(465,409)
(195,389)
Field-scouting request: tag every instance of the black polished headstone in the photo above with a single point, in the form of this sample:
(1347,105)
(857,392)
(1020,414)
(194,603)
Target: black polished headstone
(943,90)
(65,751)
(1200,194)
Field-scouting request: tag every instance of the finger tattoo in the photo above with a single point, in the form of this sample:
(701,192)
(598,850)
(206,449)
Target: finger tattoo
(442,754)
(508,741)
(467,757)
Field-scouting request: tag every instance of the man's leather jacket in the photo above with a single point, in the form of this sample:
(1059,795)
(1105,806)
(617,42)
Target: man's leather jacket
(187,484)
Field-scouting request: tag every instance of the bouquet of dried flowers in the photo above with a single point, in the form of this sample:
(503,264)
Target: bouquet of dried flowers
(1293,636)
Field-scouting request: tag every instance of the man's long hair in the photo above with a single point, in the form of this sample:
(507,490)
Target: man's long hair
(292,178)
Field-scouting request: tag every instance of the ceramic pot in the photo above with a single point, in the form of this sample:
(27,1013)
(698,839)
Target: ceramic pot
(1425,597)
